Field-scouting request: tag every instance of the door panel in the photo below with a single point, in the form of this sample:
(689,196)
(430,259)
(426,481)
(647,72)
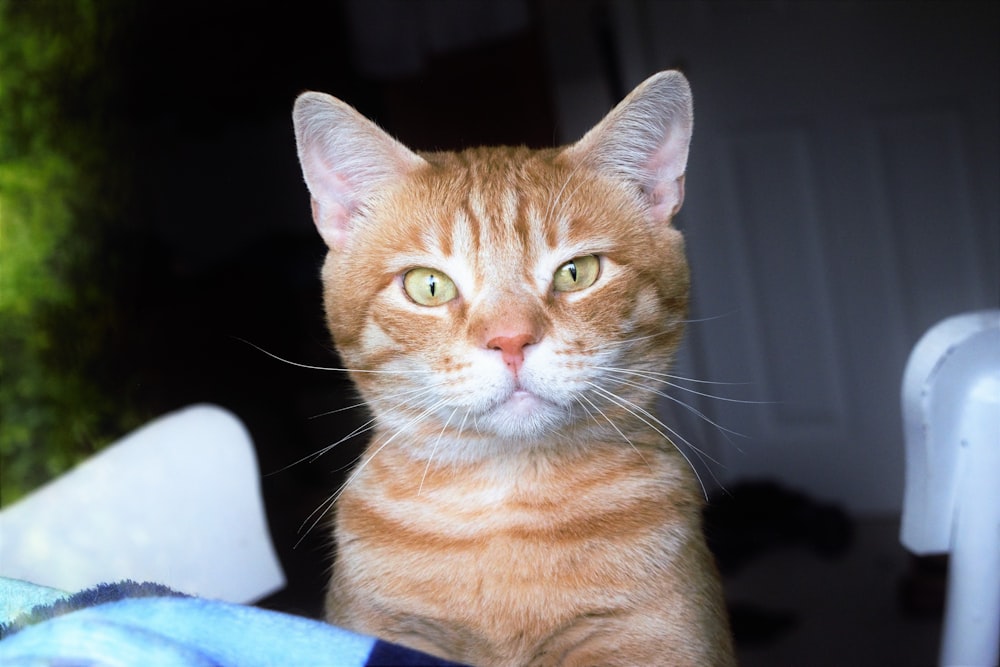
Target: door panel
(842,198)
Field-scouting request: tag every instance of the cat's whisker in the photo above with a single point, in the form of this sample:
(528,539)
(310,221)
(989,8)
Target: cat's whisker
(311,458)
(676,400)
(416,393)
(712,318)
(688,407)
(615,427)
(587,410)
(317,514)
(659,377)
(330,368)
(673,376)
(437,442)
(681,378)
(638,411)
(321,511)
(323,508)
(650,420)
(364,428)
(355,406)
(663,332)
(364,404)
(629,341)
(461,426)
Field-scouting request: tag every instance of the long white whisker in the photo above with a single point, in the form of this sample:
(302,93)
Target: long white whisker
(327,504)
(711,318)
(355,406)
(655,424)
(364,404)
(679,402)
(367,426)
(434,449)
(654,375)
(628,341)
(461,427)
(641,414)
(663,332)
(329,368)
(587,410)
(658,377)
(615,427)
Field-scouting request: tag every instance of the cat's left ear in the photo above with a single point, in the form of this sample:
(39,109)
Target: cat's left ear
(644,140)
(346,160)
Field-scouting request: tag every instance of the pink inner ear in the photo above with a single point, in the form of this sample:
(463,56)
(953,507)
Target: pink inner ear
(666,171)
(667,198)
(333,202)
(332,222)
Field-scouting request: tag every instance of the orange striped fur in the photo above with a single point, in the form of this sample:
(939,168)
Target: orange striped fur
(518,504)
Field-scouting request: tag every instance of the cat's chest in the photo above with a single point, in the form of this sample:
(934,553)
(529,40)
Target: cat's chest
(512,514)
(549,548)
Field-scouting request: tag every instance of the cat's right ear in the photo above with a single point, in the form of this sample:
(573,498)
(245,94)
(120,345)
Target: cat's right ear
(644,141)
(345,159)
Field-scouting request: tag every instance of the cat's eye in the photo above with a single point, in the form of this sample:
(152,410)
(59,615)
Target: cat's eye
(577,274)
(429,287)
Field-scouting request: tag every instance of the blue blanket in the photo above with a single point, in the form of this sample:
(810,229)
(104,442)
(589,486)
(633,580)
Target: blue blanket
(127,623)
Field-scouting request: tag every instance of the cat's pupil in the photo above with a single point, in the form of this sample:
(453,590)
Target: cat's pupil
(572,270)
(432,284)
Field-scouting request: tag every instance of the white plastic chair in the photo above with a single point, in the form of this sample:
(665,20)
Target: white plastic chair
(951,420)
(176,502)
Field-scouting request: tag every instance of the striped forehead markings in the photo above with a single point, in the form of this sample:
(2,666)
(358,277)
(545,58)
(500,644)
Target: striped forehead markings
(498,226)
(466,233)
(478,206)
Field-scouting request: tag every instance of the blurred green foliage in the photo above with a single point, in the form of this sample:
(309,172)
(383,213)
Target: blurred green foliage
(57,199)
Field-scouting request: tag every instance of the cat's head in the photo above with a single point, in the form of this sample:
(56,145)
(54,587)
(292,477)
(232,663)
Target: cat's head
(511,295)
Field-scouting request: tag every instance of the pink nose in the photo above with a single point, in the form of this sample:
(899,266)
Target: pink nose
(511,348)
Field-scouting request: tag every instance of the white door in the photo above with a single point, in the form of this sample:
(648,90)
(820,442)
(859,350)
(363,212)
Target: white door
(842,197)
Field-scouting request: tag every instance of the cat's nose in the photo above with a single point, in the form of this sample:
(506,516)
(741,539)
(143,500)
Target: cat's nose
(511,348)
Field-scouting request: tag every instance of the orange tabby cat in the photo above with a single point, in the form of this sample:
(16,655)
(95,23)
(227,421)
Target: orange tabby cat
(502,312)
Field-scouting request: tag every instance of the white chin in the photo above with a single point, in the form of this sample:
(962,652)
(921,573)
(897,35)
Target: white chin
(523,416)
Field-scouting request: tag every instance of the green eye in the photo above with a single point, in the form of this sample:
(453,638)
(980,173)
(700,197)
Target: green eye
(429,287)
(577,274)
